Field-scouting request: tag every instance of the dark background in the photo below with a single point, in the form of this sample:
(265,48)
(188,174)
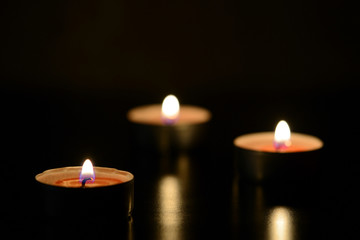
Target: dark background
(70,70)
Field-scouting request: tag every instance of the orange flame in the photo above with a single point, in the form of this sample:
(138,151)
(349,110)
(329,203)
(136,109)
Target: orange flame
(87,171)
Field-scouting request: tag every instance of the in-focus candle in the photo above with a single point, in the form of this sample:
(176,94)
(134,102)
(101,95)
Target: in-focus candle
(71,191)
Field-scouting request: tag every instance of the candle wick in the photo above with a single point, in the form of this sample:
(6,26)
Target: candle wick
(281,146)
(84,181)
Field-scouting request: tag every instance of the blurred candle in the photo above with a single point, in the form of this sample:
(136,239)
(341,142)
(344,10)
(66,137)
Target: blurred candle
(280,141)
(266,155)
(170,112)
(169,125)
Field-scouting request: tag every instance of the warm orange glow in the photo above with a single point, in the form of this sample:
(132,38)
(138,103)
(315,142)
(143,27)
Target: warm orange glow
(282,136)
(87,171)
(170,110)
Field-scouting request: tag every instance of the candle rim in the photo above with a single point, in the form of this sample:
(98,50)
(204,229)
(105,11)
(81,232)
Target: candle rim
(43,177)
(243,141)
(134,116)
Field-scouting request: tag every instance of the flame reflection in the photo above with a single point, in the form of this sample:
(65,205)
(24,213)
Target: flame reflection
(170,215)
(280,224)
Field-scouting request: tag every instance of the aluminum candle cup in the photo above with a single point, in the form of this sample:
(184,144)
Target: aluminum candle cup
(151,131)
(257,160)
(111,194)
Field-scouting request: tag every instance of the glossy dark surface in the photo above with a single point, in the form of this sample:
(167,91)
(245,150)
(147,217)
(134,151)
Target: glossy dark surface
(199,194)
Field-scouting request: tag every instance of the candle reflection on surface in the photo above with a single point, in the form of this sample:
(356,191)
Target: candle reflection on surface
(170,215)
(183,170)
(280,224)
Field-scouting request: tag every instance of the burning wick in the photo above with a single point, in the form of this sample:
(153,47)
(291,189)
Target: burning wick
(84,181)
(282,136)
(87,173)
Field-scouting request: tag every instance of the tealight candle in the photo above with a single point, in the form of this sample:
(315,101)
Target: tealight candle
(70,190)
(280,155)
(169,125)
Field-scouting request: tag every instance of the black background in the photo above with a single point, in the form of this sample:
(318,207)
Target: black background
(71,70)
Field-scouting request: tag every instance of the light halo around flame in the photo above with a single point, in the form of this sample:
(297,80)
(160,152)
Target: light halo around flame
(170,110)
(87,171)
(282,136)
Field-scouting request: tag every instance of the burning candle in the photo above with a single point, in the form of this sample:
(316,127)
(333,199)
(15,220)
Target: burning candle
(76,177)
(110,190)
(280,141)
(169,113)
(276,155)
(170,125)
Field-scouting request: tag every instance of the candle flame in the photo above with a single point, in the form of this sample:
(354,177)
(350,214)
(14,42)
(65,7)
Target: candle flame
(87,171)
(282,136)
(170,110)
